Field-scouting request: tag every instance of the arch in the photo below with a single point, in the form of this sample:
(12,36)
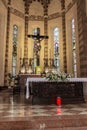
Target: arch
(36,9)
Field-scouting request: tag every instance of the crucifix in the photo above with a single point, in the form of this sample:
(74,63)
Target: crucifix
(37,36)
(37,44)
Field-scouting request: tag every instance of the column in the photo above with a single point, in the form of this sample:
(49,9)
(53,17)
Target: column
(26,31)
(7,42)
(45,32)
(64,35)
(82,36)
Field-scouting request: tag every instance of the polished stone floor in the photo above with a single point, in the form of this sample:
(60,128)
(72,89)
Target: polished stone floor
(18,113)
(19,106)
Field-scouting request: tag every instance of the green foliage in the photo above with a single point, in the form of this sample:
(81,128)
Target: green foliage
(57,76)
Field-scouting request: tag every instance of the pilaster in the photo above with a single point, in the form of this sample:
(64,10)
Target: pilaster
(64,35)
(82,36)
(26,29)
(45,31)
(7,42)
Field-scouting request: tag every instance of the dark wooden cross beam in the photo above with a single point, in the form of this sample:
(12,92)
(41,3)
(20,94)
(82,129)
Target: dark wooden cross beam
(38,37)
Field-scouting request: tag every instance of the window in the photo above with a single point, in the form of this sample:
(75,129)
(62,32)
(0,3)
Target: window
(56,48)
(14,49)
(74,48)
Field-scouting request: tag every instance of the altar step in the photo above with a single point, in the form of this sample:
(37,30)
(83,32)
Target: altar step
(45,123)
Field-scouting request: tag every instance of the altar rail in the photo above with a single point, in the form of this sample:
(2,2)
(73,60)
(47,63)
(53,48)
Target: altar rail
(47,92)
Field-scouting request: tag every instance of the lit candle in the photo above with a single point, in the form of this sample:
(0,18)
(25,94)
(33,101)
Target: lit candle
(59,101)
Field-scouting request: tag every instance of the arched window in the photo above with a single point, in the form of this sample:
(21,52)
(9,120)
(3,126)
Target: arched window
(56,48)
(74,49)
(14,49)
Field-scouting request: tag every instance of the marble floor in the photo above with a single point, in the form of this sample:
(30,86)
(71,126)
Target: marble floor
(18,108)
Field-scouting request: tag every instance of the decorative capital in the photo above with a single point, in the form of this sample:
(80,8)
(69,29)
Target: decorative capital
(26,15)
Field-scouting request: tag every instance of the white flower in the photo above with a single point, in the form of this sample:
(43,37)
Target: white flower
(57,76)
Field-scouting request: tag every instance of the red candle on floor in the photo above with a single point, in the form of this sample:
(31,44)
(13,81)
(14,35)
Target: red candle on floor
(58,101)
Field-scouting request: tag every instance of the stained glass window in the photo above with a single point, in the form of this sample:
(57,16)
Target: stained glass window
(56,48)
(74,48)
(14,49)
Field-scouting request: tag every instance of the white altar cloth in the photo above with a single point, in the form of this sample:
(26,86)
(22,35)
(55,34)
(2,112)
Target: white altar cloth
(77,79)
(34,79)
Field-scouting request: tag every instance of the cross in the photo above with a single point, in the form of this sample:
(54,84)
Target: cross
(37,39)
(38,36)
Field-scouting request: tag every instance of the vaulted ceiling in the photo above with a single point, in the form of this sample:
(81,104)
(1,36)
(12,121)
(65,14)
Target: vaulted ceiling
(39,4)
(43,2)
(47,3)
(40,7)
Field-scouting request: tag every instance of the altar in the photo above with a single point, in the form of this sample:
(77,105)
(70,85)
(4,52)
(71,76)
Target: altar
(24,77)
(46,92)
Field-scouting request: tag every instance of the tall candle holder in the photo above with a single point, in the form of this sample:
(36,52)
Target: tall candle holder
(26,65)
(51,67)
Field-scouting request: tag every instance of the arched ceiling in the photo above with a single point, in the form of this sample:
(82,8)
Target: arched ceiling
(47,2)
(36,9)
(39,8)
(42,7)
(43,2)
(53,6)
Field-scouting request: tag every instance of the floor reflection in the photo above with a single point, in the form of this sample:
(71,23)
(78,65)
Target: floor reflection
(18,106)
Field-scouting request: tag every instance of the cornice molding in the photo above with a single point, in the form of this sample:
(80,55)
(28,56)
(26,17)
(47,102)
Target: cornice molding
(54,16)
(36,18)
(17,13)
(41,18)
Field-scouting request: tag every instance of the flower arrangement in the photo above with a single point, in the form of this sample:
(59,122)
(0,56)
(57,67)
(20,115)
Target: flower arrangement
(64,76)
(57,76)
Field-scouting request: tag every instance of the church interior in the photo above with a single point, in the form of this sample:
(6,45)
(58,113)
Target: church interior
(43,64)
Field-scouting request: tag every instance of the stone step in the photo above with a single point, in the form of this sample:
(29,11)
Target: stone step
(45,123)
